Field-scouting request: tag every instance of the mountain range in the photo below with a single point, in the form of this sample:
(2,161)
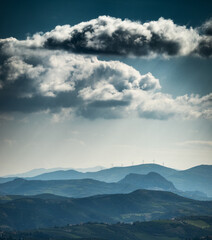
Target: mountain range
(114,174)
(89,187)
(39,171)
(198,178)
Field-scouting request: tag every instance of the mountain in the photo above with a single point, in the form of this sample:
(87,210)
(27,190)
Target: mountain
(89,187)
(150,181)
(33,172)
(70,188)
(196,228)
(141,205)
(107,175)
(28,174)
(60,175)
(198,178)
(39,171)
(6,179)
(155,181)
(91,169)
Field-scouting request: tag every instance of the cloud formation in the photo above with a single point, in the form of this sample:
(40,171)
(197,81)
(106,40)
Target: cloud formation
(108,35)
(36,75)
(196,143)
(206,28)
(114,36)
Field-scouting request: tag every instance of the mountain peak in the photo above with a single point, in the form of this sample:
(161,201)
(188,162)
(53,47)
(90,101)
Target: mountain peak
(151,180)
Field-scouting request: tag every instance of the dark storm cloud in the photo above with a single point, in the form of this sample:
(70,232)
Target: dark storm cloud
(113,36)
(107,35)
(204,48)
(206,28)
(37,103)
(121,42)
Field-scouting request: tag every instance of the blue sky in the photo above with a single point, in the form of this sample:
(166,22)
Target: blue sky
(79,100)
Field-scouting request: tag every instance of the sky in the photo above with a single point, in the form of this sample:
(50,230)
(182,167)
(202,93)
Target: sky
(105,83)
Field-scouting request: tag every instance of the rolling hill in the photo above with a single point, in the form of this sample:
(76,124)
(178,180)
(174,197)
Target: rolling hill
(141,205)
(196,228)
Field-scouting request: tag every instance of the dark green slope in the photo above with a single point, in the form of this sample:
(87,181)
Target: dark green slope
(187,228)
(46,196)
(140,205)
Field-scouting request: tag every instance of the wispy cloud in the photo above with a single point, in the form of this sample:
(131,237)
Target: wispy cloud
(62,115)
(196,143)
(76,141)
(6,117)
(9,142)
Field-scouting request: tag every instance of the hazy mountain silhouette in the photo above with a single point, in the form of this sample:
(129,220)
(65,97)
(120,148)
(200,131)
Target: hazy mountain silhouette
(108,175)
(39,171)
(34,172)
(198,178)
(6,179)
(90,187)
(150,181)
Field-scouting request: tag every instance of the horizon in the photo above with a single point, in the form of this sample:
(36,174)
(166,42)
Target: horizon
(103,168)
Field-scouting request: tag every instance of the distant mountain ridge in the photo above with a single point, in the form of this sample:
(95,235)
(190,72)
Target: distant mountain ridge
(108,175)
(140,205)
(89,187)
(151,180)
(198,178)
(33,172)
(39,171)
